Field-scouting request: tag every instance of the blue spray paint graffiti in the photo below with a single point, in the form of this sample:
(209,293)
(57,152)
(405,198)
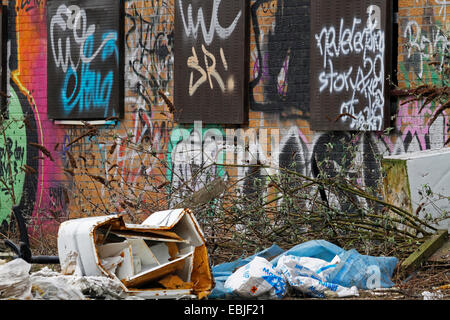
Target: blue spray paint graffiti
(84,64)
(90,91)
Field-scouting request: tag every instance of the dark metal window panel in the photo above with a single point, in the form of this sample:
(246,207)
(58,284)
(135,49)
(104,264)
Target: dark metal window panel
(351,43)
(85,59)
(287,49)
(211,61)
(3,60)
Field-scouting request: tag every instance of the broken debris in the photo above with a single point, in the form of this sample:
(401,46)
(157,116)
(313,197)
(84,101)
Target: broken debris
(427,295)
(312,276)
(17,283)
(316,268)
(164,257)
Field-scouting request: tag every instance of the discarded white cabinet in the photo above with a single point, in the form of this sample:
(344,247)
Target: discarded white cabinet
(164,257)
(410,178)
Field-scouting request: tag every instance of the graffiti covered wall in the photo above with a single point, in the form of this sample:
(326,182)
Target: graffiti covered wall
(167,153)
(39,191)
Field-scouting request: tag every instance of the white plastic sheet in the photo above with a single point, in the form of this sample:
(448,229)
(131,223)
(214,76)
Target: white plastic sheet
(50,285)
(257,279)
(15,280)
(17,283)
(311,276)
(308,275)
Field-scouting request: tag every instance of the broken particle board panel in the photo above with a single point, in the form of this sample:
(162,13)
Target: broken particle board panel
(424,252)
(145,258)
(410,177)
(442,255)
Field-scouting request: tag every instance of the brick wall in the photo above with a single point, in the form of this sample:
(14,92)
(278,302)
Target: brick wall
(144,150)
(424,27)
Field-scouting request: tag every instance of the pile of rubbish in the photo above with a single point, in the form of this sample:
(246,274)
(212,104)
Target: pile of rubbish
(17,283)
(105,258)
(166,257)
(315,268)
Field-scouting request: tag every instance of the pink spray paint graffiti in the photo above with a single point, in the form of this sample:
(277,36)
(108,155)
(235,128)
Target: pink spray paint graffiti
(28,74)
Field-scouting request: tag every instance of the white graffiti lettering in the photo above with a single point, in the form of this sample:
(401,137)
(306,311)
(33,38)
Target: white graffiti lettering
(214,27)
(427,47)
(365,81)
(76,21)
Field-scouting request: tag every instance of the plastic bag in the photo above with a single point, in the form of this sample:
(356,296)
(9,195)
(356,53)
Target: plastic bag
(320,249)
(50,285)
(311,275)
(15,280)
(222,271)
(364,272)
(257,279)
(353,269)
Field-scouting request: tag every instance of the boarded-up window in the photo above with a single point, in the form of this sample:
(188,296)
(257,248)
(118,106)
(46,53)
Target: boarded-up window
(350,63)
(85,59)
(211,59)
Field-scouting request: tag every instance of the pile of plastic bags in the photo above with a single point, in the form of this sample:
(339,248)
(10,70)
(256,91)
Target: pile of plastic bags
(316,268)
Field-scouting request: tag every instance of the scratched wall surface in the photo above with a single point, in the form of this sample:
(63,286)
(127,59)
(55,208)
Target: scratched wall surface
(278,103)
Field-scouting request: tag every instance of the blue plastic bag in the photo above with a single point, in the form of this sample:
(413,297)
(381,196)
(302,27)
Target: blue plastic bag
(319,249)
(364,272)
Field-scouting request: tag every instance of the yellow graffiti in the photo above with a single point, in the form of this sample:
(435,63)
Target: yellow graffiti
(207,75)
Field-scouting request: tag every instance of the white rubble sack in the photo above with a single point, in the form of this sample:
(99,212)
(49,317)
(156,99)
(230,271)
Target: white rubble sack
(16,283)
(69,265)
(257,279)
(311,276)
(50,285)
(15,280)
